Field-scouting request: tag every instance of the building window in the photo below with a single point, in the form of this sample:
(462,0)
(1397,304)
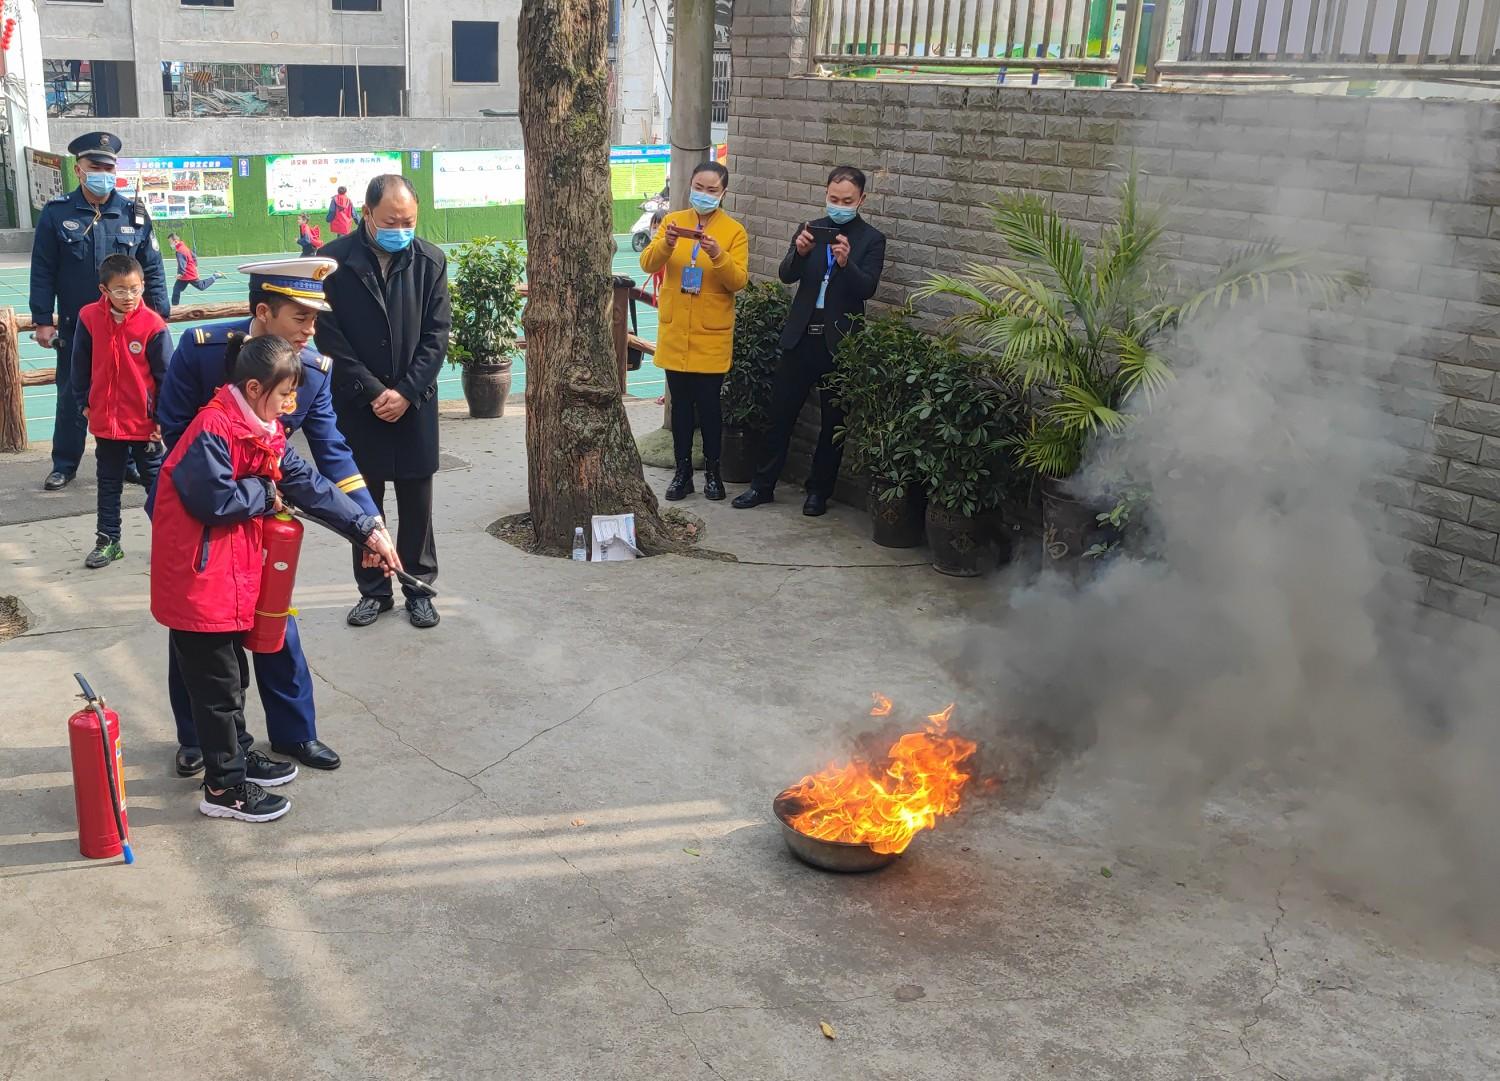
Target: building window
(356,5)
(719,106)
(207,3)
(476,52)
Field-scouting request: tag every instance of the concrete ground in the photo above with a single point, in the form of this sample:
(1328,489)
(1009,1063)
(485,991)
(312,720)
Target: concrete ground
(550,852)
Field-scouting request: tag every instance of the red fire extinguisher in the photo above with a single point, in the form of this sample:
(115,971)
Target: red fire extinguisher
(281,542)
(98,778)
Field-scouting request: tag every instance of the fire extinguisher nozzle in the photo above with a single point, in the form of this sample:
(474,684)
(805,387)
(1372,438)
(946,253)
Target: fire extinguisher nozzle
(129,854)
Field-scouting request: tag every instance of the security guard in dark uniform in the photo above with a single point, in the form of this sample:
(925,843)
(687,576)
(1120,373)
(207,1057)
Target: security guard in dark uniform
(286,296)
(74,234)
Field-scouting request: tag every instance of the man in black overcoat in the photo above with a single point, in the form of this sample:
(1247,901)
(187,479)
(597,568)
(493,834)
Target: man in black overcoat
(388,337)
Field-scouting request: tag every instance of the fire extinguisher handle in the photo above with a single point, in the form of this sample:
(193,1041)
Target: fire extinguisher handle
(88,692)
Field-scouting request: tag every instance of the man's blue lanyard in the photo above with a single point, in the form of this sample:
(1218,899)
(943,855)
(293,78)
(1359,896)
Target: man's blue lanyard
(823,289)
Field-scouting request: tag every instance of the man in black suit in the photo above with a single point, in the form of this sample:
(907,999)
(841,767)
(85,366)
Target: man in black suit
(834,279)
(388,336)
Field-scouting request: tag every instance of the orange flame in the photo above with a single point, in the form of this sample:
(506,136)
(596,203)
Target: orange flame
(882,706)
(885,805)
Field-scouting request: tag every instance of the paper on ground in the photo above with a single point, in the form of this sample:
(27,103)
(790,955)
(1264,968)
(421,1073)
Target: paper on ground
(614,538)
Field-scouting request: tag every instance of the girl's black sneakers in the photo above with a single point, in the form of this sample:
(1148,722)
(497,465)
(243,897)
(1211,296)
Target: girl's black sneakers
(248,802)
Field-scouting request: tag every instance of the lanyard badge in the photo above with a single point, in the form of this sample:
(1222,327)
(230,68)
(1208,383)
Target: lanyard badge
(692,275)
(823,289)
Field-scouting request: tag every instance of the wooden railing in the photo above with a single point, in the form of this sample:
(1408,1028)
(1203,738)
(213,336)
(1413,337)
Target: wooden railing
(14,381)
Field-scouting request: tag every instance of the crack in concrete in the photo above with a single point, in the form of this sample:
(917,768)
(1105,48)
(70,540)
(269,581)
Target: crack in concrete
(1269,938)
(591,704)
(75,630)
(397,733)
(629,950)
(117,954)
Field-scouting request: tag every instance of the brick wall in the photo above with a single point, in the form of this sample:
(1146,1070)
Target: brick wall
(1405,188)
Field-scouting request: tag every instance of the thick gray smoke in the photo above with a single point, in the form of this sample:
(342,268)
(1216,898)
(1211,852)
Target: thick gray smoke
(1263,645)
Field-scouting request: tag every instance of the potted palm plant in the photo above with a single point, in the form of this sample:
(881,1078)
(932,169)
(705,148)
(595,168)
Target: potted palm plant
(760,312)
(877,378)
(1083,333)
(962,423)
(487,302)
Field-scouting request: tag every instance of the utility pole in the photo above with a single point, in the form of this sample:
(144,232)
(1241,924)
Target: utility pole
(692,92)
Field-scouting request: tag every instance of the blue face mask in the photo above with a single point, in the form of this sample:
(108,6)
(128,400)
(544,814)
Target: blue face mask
(841,215)
(99,184)
(703,202)
(394,240)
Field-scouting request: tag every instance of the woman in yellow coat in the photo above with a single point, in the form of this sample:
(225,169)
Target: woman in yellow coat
(704,257)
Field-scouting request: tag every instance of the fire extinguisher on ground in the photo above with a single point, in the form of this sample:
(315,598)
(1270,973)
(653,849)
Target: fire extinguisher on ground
(98,778)
(281,544)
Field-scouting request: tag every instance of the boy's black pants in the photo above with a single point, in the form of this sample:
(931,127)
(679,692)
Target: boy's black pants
(111,456)
(216,671)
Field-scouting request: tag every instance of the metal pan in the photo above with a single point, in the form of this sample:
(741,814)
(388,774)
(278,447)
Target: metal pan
(839,856)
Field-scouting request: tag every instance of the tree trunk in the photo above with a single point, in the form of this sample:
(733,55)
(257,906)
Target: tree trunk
(582,458)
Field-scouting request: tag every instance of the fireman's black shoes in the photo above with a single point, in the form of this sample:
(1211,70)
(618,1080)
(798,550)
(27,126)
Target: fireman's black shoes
(421,612)
(266,771)
(368,610)
(56,481)
(248,802)
(106,551)
(189,761)
(314,753)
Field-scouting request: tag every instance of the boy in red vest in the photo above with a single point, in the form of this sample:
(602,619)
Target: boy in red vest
(120,352)
(187,270)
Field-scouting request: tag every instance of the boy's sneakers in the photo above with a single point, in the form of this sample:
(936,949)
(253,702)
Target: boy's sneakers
(106,551)
(248,802)
(263,770)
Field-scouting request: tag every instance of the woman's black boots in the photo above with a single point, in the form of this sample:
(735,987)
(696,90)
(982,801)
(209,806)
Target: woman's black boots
(713,484)
(682,481)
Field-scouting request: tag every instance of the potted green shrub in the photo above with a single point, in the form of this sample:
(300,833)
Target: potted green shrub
(1083,332)
(487,302)
(760,312)
(961,426)
(877,378)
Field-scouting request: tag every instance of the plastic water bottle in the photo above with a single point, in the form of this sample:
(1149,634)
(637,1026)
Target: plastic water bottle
(580,550)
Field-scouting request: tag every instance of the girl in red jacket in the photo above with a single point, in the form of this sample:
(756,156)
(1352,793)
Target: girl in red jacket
(219,481)
(120,352)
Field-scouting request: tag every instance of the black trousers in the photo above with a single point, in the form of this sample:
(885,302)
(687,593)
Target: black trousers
(216,672)
(110,456)
(695,405)
(414,540)
(69,430)
(802,368)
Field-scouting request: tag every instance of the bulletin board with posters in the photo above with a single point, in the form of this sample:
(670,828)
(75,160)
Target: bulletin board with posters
(46,173)
(462,178)
(638,172)
(179,187)
(305,183)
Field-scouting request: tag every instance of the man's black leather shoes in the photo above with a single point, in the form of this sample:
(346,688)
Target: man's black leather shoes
(421,612)
(314,753)
(753,497)
(56,481)
(368,610)
(815,506)
(189,761)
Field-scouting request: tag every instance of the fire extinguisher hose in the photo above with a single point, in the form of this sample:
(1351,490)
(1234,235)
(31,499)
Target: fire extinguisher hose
(404,578)
(109,764)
